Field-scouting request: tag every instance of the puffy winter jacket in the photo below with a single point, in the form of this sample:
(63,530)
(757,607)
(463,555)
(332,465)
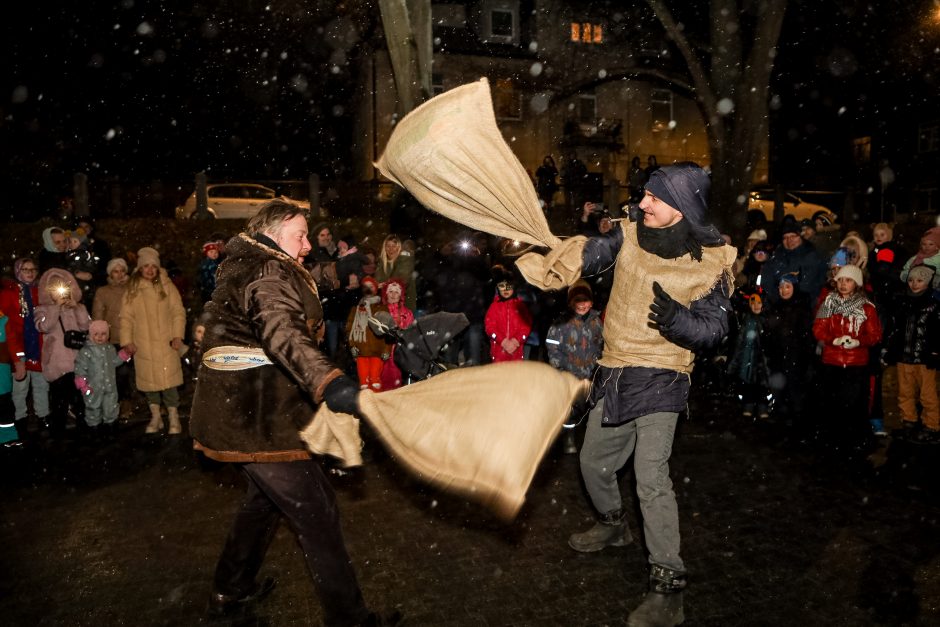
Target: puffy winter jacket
(868,334)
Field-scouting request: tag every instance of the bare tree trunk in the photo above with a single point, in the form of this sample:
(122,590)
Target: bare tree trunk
(732,96)
(407,25)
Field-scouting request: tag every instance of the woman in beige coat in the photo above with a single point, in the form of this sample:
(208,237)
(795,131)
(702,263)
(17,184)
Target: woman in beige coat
(153,322)
(107,307)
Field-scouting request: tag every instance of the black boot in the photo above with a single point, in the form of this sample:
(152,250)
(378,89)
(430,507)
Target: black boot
(662,605)
(225,604)
(611,529)
(22,429)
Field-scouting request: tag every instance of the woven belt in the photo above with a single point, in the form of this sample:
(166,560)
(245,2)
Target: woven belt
(235,358)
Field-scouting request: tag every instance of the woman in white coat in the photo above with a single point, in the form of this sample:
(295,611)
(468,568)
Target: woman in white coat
(153,322)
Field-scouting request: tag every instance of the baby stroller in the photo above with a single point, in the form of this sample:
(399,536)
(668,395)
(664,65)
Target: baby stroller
(420,346)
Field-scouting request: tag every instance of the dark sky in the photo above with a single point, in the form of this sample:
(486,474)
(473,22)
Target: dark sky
(143,89)
(140,89)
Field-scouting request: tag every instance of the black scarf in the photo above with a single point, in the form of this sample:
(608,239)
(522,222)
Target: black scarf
(670,242)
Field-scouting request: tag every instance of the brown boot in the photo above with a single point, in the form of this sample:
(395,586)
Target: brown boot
(174,416)
(156,420)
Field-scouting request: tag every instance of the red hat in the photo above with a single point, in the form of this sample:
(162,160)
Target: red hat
(210,246)
(371,281)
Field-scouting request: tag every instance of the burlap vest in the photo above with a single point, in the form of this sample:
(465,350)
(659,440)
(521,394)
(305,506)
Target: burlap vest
(629,338)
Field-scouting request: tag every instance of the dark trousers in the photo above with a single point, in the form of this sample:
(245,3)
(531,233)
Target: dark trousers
(63,395)
(299,492)
(844,406)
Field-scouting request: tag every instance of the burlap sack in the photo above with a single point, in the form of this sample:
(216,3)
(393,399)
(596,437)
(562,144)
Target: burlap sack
(480,432)
(449,154)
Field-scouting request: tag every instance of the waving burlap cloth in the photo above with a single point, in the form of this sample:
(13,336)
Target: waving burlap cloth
(480,432)
(449,154)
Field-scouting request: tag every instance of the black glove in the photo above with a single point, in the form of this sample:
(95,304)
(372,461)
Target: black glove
(342,395)
(663,307)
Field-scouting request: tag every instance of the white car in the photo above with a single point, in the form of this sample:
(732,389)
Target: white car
(760,208)
(231,201)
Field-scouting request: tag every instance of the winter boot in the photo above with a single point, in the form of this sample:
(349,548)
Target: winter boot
(662,605)
(174,417)
(611,529)
(156,420)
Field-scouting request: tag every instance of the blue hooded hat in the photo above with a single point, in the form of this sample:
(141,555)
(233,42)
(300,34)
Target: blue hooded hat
(685,186)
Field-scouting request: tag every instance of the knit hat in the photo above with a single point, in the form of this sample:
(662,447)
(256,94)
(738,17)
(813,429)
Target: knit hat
(368,280)
(685,187)
(392,284)
(579,291)
(98,325)
(789,226)
(933,235)
(806,222)
(791,277)
(147,255)
(210,246)
(79,234)
(114,263)
(842,257)
(924,273)
(755,299)
(851,272)
(759,234)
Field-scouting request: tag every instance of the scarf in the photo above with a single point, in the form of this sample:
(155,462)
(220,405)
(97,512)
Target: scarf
(670,242)
(851,308)
(361,320)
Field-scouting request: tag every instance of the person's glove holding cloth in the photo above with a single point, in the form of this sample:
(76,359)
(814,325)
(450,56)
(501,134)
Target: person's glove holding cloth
(663,309)
(341,395)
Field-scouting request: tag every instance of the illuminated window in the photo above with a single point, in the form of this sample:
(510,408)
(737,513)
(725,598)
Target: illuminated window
(587,33)
(861,150)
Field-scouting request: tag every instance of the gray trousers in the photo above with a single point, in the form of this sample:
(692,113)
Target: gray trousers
(40,394)
(649,440)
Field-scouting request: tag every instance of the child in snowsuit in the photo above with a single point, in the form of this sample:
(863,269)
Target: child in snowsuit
(8,434)
(846,325)
(96,378)
(575,342)
(369,350)
(748,365)
(207,270)
(508,321)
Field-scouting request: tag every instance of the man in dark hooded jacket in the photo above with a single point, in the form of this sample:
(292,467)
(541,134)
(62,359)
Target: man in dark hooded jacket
(262,374)
(797,257)
(672,280)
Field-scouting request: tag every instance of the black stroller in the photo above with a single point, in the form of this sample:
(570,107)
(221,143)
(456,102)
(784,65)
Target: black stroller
(419,347)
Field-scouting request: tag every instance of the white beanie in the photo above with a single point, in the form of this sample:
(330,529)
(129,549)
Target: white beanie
(759,234)
(851,272)
(147,255)
(117,261)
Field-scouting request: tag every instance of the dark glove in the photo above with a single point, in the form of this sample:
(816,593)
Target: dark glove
(663,308)
(342,396)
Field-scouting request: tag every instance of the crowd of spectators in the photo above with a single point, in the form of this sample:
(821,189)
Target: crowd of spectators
(817,320)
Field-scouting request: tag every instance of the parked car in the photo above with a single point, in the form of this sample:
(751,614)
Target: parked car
(761,208)
(237,201)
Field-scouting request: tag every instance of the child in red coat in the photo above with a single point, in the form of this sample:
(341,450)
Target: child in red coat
(847,326)
(508,321)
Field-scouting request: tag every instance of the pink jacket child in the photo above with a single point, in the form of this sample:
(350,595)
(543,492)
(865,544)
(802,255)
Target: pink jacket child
(508,322)
(60,311)
(392,295)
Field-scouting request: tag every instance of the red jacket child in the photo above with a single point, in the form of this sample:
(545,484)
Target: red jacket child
(508,322)
(846,322)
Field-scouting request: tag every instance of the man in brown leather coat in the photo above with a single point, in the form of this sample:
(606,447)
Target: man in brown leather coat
(260,380)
